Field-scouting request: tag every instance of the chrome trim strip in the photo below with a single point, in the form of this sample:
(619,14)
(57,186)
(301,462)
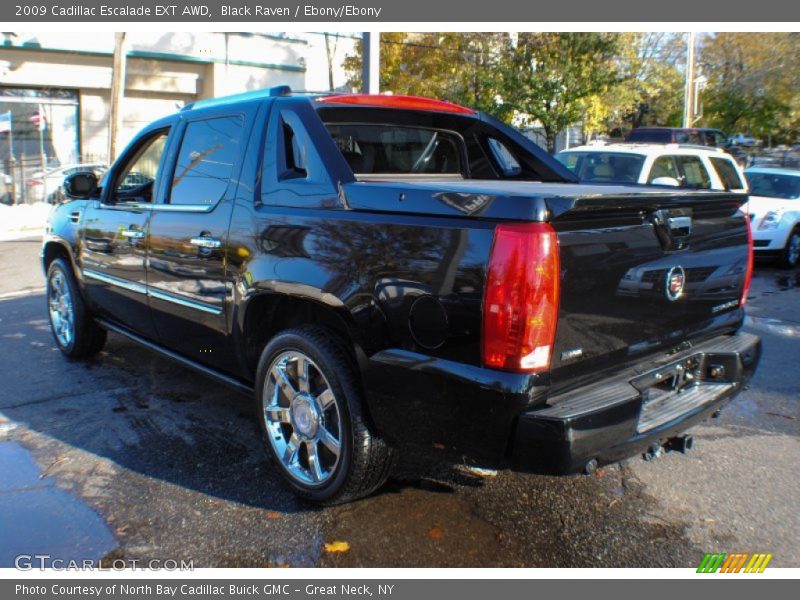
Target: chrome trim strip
(152,293)
(116,281)
(186,208)
(167,297)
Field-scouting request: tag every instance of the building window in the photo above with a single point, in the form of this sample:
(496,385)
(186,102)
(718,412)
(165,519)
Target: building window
(38,132)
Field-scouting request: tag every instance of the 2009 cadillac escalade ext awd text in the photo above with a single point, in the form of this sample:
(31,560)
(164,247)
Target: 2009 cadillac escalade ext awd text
(380,271)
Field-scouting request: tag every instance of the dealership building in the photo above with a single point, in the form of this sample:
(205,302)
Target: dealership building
(55,88)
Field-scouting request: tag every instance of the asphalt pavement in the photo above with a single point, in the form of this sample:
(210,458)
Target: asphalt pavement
(131,456)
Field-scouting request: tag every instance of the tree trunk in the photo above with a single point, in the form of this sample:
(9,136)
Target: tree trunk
(550,137)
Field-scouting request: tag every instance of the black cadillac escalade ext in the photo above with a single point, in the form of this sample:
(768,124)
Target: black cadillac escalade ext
(383,271)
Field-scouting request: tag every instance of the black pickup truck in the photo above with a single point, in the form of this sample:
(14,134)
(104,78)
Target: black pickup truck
(389,271)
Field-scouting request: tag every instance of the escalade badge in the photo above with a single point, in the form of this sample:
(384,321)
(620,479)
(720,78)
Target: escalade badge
(675,282)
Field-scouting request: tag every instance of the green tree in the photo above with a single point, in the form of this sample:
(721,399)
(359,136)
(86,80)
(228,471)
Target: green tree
(753,83)
(649,86)
(549,77)
(458,67)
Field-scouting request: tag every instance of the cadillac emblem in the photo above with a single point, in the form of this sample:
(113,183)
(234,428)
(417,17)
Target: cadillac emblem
(675,283)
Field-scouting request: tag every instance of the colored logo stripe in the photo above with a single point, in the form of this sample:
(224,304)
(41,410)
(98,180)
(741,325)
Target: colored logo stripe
(758,563)
(734,563)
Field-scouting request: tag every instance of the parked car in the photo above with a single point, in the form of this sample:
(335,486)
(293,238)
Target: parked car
(700,136)
(774,209)
(46,186)
(741,139)
(657,164)
(380,272)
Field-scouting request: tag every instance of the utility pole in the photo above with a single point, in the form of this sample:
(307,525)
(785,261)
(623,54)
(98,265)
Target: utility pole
(689,91)
(117,94)
(370,62)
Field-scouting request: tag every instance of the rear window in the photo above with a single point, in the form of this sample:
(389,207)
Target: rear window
(615,167)
(727,173)
(688,137)
(774,185)
(392,149)
(659,136)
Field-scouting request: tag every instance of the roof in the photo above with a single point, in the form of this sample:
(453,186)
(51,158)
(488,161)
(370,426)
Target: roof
(366,100)
(651,149)
(260,94)
(773,171)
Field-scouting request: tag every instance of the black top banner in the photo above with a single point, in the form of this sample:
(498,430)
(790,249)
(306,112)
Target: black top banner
(387,11)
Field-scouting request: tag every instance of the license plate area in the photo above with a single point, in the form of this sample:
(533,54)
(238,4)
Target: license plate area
(676,388)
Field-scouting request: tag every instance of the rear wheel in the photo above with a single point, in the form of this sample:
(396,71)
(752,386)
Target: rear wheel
(790,256)
(311,415)
(75,332)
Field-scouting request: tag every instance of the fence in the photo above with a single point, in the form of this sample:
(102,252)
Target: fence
(29,179)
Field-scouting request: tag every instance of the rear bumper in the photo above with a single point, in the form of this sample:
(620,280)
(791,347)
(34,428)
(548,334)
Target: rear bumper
(621,416)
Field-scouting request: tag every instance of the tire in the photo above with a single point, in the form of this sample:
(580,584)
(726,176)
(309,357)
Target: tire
(74,330)
(790,256)
(301,420)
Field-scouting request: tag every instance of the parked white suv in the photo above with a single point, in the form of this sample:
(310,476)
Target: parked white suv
(676,165)
(774,208)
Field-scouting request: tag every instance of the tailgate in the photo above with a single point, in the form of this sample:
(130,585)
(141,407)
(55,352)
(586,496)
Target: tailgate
(641,275)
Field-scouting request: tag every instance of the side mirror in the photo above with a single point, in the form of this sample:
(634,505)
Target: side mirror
(670,181)
(80,185)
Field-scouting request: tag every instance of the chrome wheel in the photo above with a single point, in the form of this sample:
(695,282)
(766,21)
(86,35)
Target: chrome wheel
(62,312)
(302,418)
(793,249)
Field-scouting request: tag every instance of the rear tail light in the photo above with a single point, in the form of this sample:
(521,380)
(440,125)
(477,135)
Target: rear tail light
(520,308)
(748,273)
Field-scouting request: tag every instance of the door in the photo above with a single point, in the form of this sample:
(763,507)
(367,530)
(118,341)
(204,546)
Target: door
(188,234)
(114,235)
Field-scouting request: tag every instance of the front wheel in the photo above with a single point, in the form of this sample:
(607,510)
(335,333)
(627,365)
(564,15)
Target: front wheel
(791,252)
(74,329)
(311,415)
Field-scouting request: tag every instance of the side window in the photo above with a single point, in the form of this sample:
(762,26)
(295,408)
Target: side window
(694,173)
(293,163)
(509,166)
(294,155)
(137,179)
(727,173)
(208,152)
(663,166)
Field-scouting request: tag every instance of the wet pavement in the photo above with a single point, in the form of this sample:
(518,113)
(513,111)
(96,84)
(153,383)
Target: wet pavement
(135,457)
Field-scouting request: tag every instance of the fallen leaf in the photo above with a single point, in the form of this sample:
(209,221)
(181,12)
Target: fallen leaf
(438,446)
(337,547)
(476,471)
(436,532)
(273,516)
(599,472)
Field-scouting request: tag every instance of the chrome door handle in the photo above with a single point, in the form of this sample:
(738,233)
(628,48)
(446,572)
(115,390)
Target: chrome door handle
(134,234)
(206,242)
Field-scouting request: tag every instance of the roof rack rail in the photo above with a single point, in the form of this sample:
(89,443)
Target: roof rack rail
(272,92)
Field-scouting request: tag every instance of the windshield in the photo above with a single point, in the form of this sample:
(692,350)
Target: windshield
(615,167)
(773,185)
